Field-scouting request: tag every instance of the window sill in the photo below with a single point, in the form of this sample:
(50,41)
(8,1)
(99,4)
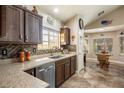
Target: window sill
(121,54)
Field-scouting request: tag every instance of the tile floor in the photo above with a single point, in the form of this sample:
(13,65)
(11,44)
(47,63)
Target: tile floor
(94,77)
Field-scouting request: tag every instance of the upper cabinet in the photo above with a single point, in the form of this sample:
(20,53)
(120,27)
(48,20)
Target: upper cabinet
(19,25)
(11,24)
(64,36)
(33,28)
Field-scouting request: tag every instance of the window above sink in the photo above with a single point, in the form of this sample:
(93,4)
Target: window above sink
(50,39)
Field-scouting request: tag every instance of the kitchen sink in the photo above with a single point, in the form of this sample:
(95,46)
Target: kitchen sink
(55,56)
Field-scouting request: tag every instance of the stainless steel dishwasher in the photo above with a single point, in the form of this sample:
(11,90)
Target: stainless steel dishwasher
(46,72)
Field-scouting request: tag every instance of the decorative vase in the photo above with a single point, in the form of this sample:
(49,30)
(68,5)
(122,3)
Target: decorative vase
(35,10)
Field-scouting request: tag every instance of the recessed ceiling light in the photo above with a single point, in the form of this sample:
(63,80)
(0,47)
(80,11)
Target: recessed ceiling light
(56,10)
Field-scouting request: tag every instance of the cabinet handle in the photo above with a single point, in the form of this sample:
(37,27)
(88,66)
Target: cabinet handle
(49,68)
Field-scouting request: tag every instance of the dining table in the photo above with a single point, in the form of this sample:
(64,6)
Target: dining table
(103,59)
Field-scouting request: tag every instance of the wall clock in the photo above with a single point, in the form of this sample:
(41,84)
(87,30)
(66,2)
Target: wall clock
(81,25)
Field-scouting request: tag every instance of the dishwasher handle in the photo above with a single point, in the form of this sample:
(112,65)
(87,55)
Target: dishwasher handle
(41,70)
(49,68)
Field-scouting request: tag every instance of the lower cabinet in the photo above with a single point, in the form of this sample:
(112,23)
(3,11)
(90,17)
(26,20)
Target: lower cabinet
(67,69)
(64,69)
(59,74)
(31,71)
(73,65)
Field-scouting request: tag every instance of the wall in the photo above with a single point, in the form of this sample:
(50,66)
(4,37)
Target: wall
(117,16)
(116,45)
(72,25)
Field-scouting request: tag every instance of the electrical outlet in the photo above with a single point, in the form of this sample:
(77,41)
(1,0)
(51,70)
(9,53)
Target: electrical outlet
(34,50)
(4,52)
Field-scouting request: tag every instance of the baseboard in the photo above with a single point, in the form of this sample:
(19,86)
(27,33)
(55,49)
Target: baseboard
(78,71)
(111,61)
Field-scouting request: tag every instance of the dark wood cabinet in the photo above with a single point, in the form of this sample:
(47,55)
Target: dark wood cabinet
(11,24)
(59,73)
(65,36)
(64,69)
(67,69)
(31,72)
(19,25)
(73,65)
(33,28)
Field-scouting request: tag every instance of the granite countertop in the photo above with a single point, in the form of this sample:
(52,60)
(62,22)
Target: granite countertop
(12,75)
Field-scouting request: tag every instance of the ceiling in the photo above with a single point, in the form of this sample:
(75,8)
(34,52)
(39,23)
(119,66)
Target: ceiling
(88,12)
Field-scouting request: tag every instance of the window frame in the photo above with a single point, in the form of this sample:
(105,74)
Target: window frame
(104,39)
(121,53)
(49,41)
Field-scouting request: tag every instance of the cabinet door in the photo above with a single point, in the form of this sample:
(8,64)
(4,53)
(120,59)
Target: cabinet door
(38,29)
(65,36)
(59,74)
(33,28)
(73,65)
(67,69)
(3,32)
(12,24)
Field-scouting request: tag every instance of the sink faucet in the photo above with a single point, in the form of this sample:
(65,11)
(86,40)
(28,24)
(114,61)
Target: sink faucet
(52,49)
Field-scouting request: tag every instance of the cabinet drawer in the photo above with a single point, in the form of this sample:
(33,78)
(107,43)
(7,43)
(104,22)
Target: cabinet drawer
(60,62)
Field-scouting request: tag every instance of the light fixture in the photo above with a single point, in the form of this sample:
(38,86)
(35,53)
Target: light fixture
(56,10)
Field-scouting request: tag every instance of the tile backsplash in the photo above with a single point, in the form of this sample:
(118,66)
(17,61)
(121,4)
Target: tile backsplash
(14,49)
(71,48)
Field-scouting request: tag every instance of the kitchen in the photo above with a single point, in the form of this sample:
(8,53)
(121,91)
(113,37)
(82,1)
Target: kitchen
(39,51)
(21,34)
